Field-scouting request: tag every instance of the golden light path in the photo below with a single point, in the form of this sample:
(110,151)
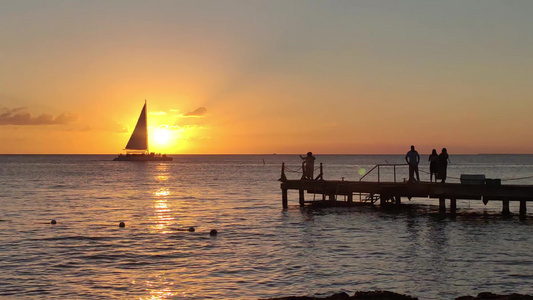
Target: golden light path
(163,220)
(165,293)
(162,212)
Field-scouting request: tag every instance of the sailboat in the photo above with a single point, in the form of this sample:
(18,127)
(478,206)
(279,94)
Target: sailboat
(137,147)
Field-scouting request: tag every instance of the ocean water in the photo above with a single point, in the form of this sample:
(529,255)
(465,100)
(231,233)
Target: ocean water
(261,250)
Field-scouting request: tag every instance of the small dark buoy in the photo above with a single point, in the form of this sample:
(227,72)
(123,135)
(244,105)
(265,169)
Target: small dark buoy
(53,222)
(122,224)
(213,232)
(191,229)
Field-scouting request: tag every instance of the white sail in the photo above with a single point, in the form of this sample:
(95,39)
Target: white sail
(139,138)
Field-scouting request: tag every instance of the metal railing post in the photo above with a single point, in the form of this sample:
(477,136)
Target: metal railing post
(378,166)
(283,177)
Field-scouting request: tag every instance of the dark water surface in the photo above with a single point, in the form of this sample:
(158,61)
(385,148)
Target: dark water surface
(261,250)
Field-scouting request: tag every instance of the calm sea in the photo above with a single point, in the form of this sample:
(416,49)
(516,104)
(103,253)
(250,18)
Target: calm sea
(261,250)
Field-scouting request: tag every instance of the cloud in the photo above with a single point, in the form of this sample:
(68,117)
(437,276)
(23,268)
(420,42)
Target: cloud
(200,111)
(192,126)
(19,116)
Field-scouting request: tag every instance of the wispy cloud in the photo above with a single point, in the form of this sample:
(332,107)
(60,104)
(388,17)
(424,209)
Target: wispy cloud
(20,116)
(200,111)
(109,127)
(158,113)
(192,126)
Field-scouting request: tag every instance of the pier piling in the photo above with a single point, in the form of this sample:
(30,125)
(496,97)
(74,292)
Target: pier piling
(398,200)
(453,206)
(505,209)
(523,209)
(442,205)
(284,198)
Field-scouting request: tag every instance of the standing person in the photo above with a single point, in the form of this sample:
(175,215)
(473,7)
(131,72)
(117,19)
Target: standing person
(412,158)
(443,165)
(433,165)
(309,165)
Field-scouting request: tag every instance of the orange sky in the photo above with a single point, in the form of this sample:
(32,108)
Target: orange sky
(267,76)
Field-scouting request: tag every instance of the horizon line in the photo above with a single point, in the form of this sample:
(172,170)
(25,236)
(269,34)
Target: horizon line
(271,154)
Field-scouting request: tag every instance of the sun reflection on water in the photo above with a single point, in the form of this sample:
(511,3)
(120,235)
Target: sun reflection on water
(157,294)
(162,192)
(163,214)
(160,288)
(161,178)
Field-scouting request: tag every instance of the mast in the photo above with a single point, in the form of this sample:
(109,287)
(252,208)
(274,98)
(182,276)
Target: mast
(146,122)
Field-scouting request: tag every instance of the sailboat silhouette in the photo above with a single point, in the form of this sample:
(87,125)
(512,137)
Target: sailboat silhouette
(137,147)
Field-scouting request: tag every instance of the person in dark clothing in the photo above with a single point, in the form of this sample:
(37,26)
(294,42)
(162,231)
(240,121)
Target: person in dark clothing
(309,165)
(412,158)
(443,165)
(433,165)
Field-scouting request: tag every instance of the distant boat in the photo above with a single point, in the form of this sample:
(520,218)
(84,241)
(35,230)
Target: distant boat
(137,147)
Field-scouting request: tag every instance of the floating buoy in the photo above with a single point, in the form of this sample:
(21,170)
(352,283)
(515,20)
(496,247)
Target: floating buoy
(191,229)
(53,222)
(122,224)
(213,232)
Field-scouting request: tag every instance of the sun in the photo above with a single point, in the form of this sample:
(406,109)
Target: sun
(167,139)
(161,136)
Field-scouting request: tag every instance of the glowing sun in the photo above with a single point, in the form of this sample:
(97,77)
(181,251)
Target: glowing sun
(161,136)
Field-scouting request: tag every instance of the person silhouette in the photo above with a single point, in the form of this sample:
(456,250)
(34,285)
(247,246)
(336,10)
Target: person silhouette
(443,165)
(433,165)
(412,158)
(309,165)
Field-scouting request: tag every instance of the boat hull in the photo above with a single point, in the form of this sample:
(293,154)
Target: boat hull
(142,157)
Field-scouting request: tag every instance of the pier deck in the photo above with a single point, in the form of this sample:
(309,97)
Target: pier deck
(333,191)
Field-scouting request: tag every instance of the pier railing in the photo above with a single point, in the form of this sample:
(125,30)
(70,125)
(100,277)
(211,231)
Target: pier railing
(379,167)
(284,169)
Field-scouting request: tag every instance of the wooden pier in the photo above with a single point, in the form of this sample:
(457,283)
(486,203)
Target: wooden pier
(339,192)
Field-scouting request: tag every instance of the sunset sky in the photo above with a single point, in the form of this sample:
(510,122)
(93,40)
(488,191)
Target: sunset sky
(272,76)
